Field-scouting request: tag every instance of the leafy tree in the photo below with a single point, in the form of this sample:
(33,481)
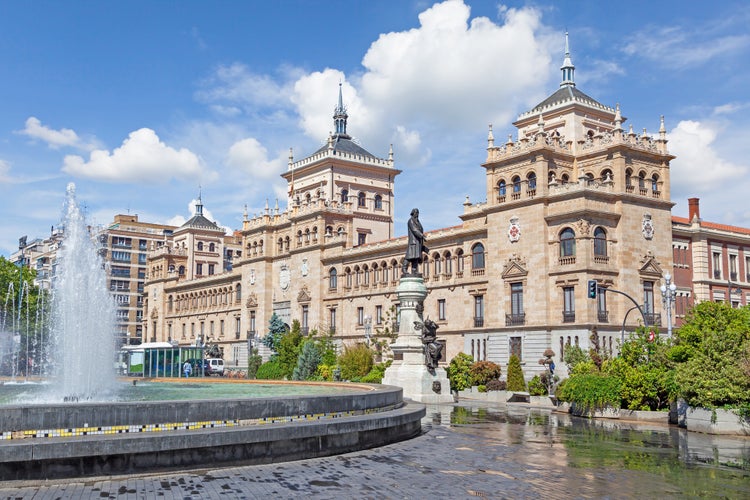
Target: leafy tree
(270,370)
(482,372)
(537,387)
(459,371)
(307,362)
(355,362)
(716,342)
(575,355)
(289,347)
(516,381)
(253,363)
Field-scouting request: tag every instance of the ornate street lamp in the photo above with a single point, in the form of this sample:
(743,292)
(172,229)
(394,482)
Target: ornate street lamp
(668,294)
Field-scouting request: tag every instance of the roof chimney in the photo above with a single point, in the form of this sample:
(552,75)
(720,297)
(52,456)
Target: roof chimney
(694,210)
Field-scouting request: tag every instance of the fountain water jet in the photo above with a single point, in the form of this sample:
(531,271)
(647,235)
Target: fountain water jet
(83,314)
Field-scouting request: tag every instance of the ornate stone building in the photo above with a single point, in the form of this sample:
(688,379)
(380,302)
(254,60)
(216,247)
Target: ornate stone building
(572,197)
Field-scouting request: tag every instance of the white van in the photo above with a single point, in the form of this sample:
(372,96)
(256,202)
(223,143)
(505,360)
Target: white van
(214,366)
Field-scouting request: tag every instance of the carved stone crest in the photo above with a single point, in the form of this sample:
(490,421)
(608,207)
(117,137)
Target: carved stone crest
(514,230)
(252,301)
(304,295)
(647,227)
(583,227)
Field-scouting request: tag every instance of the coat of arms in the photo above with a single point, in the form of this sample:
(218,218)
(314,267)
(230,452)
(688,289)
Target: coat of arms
(514,230)
(647,227)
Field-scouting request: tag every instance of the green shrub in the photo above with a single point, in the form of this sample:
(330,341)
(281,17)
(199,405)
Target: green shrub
(376,374)
(591,391)
(270,370)
(482,372)
(482,388)
(496,385)
(355,362)
(575,355)
(537,386)
(253,363)
(459,371)
(516,382)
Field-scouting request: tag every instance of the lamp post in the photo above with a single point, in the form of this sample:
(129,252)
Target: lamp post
(668,293)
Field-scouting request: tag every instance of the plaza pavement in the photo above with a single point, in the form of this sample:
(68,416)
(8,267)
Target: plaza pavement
(476,456)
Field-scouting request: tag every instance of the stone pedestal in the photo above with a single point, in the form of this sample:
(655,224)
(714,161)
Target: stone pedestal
(408,370)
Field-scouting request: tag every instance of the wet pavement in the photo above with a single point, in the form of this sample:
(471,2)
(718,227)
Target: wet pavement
(466,451)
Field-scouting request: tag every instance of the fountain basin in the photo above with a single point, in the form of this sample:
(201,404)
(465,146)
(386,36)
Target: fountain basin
(70,440)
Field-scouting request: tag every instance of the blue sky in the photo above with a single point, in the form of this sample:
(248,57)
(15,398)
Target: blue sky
(140,103)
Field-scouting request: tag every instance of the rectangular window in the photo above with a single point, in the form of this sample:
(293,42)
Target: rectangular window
(716,262)
(479,310)
(441,309)
(361,238)
(601,305)
(360,316)
(184,328)
(252,322)
(569,304)
(747,268)
(378,315)
(515,347)
(199,269)
(516,299)
(221,327)
(332,319)
(211,268)
(237,327)
(211,328)
(733,267)
(304,316)
(648,297)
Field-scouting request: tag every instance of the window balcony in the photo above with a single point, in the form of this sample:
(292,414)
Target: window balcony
(515,319)
(717,274)
(479,322)
(569,316)
(601,259)
(602,316)
(654,319)
(566,261)
(733,276)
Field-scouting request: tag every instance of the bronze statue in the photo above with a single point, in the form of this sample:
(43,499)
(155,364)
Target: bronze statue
(415,246)
(433,350)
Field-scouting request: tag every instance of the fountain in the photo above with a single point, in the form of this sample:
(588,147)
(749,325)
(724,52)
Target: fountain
(84,428)
(83,314)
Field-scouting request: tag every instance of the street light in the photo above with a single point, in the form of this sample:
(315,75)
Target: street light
(668,293)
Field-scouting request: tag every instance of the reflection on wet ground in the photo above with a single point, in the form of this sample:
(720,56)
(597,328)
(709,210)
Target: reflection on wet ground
(467,451)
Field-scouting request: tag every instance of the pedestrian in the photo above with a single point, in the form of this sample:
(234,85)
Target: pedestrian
(187,369)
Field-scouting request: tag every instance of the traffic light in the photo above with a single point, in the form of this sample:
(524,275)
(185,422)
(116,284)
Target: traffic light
(592,289)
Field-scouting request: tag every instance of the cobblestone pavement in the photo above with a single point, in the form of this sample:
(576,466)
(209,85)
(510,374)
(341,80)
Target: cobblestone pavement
(464,452)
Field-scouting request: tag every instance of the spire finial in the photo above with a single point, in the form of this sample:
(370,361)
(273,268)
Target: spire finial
(490,138)
(199,203)
(567,68)
(291,157)
(340,116)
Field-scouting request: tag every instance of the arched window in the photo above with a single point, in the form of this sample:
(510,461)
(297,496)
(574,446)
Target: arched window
(378,202)
(307,198)
(307,236)
(477,256)
(344,195)
(329,231)
(361,199)
(438,264)
(238,293)
(628,178)
(501,188)
(600,242)
(460,260)
(567,243)
(281,244)
(564,178)
(333,279)
(200,246)
(170,304)
(181,271)
(348,273)
(531,178)
(655,183)
(315,234)
(211,247)
(642,180)
(516,184)
(366,275)
(606,175)
(448,263)
(286,243)
(299,238)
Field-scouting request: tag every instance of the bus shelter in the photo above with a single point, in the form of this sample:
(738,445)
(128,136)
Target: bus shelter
(162,359)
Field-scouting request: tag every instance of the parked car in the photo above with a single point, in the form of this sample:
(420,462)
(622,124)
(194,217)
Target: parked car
(215,366)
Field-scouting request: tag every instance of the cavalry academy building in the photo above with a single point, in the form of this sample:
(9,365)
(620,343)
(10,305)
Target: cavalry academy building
(573,197)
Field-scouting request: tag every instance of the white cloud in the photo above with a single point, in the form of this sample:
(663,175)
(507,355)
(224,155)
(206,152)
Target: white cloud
(55,139)
(684,47)
(692,143)
(250,157)
(420,86)
(237,84)
(143,157)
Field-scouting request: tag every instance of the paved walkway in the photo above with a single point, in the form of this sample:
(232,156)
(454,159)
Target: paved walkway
(465,452)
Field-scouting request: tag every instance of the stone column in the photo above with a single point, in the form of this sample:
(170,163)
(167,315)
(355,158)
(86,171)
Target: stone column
(408,370)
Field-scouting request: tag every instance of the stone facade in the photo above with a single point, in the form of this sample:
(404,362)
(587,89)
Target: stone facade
(573,197)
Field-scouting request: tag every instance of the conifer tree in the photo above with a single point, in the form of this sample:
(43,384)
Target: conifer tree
(516,382)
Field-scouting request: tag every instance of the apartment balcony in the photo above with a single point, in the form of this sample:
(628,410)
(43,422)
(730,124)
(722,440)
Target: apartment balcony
(569,316)
(515,319)
(602,316)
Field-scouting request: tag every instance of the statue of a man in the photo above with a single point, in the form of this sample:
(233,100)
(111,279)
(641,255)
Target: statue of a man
(415,246)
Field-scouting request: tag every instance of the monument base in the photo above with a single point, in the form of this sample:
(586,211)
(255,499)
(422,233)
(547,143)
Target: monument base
(419,384)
